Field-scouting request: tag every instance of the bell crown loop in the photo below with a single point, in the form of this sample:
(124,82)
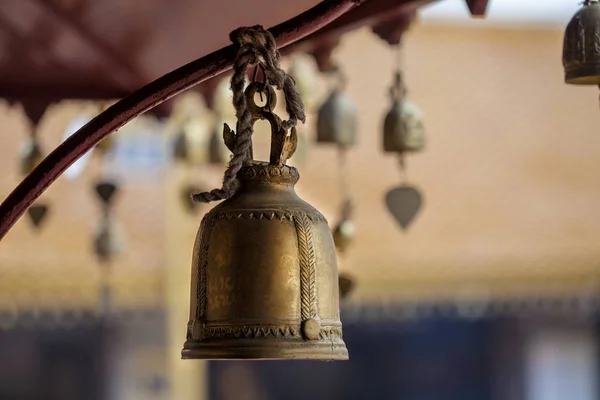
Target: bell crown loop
(256,47)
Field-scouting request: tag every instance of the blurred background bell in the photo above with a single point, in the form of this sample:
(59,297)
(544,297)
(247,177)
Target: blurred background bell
(581,48)
(30,157)
(403,129)
(37,213)
(108,241)
(343,234)
(336,121)
(347,284)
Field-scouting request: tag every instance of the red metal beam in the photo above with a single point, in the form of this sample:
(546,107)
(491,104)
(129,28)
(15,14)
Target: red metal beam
(120,61)
(25,45)
(76,89)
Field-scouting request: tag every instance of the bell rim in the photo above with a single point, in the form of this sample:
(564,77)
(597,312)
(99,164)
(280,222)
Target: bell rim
(583,75)
(323,350)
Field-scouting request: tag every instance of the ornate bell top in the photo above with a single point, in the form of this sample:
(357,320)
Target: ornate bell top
(259,172)
(581,50)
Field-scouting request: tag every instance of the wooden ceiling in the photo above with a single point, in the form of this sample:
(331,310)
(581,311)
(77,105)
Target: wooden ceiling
(83,49)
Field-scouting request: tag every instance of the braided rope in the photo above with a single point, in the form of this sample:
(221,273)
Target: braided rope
(256,45)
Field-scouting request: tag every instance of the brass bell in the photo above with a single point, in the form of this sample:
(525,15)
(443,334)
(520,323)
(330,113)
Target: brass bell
(336,121)
(264,269)
(581,48)
(403,129)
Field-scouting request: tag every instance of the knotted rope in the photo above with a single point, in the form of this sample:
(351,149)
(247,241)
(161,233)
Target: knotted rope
(255,46)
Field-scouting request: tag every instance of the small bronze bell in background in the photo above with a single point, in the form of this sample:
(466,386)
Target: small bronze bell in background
(37,213)
(31,156)
(403,129)
(106,145)
(336,120)
(347,283)
(343,233)
(343,236)
(304,72)
(581,49)
(264,269)
(108,240)
(181,151)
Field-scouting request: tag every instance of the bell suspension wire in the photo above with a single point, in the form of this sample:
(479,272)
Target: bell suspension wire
(255,46)
(403,171)
(398,90)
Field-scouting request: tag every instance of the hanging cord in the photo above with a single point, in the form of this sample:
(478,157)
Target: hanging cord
(256,46)
(398,92)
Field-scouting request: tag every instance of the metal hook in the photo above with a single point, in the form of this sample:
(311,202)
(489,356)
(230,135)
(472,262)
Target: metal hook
(264,82)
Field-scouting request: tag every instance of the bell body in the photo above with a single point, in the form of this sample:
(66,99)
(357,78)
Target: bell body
(336,121)
(264,276)
(581,48)
(403,129)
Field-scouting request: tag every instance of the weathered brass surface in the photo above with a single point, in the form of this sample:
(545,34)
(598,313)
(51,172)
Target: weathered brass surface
(581,49)
(264,269)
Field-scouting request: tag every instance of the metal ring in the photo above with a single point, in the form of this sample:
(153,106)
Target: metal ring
(256,110)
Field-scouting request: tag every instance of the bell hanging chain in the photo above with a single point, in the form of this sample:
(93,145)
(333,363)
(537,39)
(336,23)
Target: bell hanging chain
(256,47)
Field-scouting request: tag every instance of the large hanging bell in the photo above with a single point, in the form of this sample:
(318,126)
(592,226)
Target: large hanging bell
(581,49)
(336,121)
(264,269)
(403,129)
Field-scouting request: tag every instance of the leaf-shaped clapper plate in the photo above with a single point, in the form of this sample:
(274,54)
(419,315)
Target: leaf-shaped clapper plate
(404,203)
